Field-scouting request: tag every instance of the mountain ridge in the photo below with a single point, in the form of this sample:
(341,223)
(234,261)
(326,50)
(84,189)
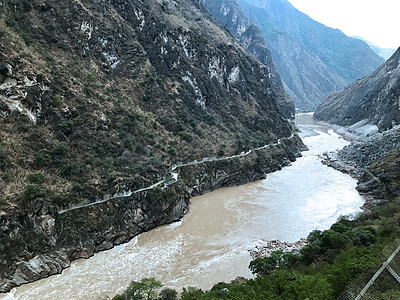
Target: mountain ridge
(385,53)
(339,59)
(374,98)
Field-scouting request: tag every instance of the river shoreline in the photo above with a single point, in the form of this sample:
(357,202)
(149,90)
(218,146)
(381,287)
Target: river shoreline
(99,228)
(242,253)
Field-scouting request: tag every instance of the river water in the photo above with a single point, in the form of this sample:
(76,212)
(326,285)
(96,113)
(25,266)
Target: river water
(211,242)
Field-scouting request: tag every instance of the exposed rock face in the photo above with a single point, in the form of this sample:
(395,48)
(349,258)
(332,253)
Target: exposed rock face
(308,79)
(99,97)
(230,14)
(40,242)
(374,98)
(312,59)
(382,181)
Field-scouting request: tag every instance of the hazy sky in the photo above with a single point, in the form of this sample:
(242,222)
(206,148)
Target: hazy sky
(378,21)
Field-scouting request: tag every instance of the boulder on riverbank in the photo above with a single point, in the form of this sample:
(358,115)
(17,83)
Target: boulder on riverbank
(267,247)
(375,162)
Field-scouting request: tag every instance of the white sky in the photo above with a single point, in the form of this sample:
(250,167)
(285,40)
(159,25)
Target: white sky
(378,21)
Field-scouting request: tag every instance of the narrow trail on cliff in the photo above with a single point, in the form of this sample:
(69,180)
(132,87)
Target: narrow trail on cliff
(174,176)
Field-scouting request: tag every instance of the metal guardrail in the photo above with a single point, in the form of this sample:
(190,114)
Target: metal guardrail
(379,277)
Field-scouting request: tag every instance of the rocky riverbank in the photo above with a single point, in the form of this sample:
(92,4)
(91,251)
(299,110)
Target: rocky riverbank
(375,162)
(267,247)
(55,239)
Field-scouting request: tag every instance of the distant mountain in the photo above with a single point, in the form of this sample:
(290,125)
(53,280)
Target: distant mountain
(374,98)
(229,14)
(386,53)
(312,59)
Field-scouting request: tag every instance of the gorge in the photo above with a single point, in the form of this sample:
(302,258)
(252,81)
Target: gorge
(211,243)
(116,115)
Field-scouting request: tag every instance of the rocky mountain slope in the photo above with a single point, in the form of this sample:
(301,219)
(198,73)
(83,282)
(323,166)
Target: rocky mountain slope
(101,98)
(313,60)
(229,14)
(374,98)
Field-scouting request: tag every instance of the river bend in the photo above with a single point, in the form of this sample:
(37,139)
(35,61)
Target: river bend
(211,242)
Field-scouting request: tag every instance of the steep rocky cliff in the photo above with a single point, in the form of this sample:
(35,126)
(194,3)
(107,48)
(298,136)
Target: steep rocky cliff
(313,60)
(374,98)
(101,98)
(230,14)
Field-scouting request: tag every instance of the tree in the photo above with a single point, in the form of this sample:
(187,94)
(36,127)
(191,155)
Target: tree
(168,294)
(277,260)
(146,289)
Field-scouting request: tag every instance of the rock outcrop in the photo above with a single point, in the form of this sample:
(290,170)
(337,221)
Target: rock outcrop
(312,59)
(229,14)
(103,97)
(374,98)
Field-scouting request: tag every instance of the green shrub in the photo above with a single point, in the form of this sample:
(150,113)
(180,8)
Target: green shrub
(314,236)
(2,201)
(168,294)
(4,160)
(364,237)
(128,144)
(340,227)
(58,200)
(171,152)
(292,285)
(389,226)
(310,252)
(333,240)
(147,289)
(192,293)
(277,259)
(185,135)
(77,188)
(37,178)
(61,150)
(34,191)
(76,171)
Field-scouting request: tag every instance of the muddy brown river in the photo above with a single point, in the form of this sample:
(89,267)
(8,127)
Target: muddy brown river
(211,242)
